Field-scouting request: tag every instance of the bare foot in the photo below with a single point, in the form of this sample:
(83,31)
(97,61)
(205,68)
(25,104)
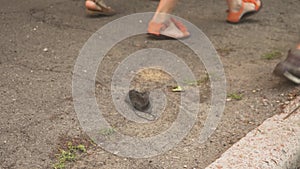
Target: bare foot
(169,27)
(98,7)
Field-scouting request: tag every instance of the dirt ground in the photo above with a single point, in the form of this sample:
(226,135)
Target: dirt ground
(40,41)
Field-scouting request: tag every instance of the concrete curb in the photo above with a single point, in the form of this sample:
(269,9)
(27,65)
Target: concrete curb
(273,145)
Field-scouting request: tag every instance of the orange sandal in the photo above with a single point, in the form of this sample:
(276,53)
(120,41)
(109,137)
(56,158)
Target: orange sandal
(236,17)
(181,27)
(171,28)
(98,8)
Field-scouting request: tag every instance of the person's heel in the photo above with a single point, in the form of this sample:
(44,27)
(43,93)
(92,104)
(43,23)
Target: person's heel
(236,17)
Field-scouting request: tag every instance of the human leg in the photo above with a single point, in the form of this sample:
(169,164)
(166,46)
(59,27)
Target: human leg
(98,7)
(163,24)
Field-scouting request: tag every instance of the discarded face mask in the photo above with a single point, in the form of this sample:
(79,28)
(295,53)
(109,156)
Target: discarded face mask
(139,100)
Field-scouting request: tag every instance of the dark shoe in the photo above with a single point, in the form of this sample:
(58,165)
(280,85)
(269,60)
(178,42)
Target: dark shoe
(140,101)
(290,67)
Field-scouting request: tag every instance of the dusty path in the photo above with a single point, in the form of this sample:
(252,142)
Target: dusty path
(40,41)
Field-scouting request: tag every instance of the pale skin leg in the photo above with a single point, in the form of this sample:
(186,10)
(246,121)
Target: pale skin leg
(91,5)
(166,7)
(172,28)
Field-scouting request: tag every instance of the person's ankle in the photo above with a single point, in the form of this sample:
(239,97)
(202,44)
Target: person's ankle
(160,17)
(235,5)
(298,47)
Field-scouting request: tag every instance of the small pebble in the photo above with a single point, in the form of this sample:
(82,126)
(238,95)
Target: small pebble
(45,49)
(185,166)
(265,102)
(137,45)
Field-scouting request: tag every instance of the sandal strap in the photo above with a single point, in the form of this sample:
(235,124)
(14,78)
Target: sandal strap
(103,7)
(156,28)
(235,17)
(181,27)
(101,3)
(254,2)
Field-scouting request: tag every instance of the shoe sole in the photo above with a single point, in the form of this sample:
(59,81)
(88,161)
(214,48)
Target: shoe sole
(291,77)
